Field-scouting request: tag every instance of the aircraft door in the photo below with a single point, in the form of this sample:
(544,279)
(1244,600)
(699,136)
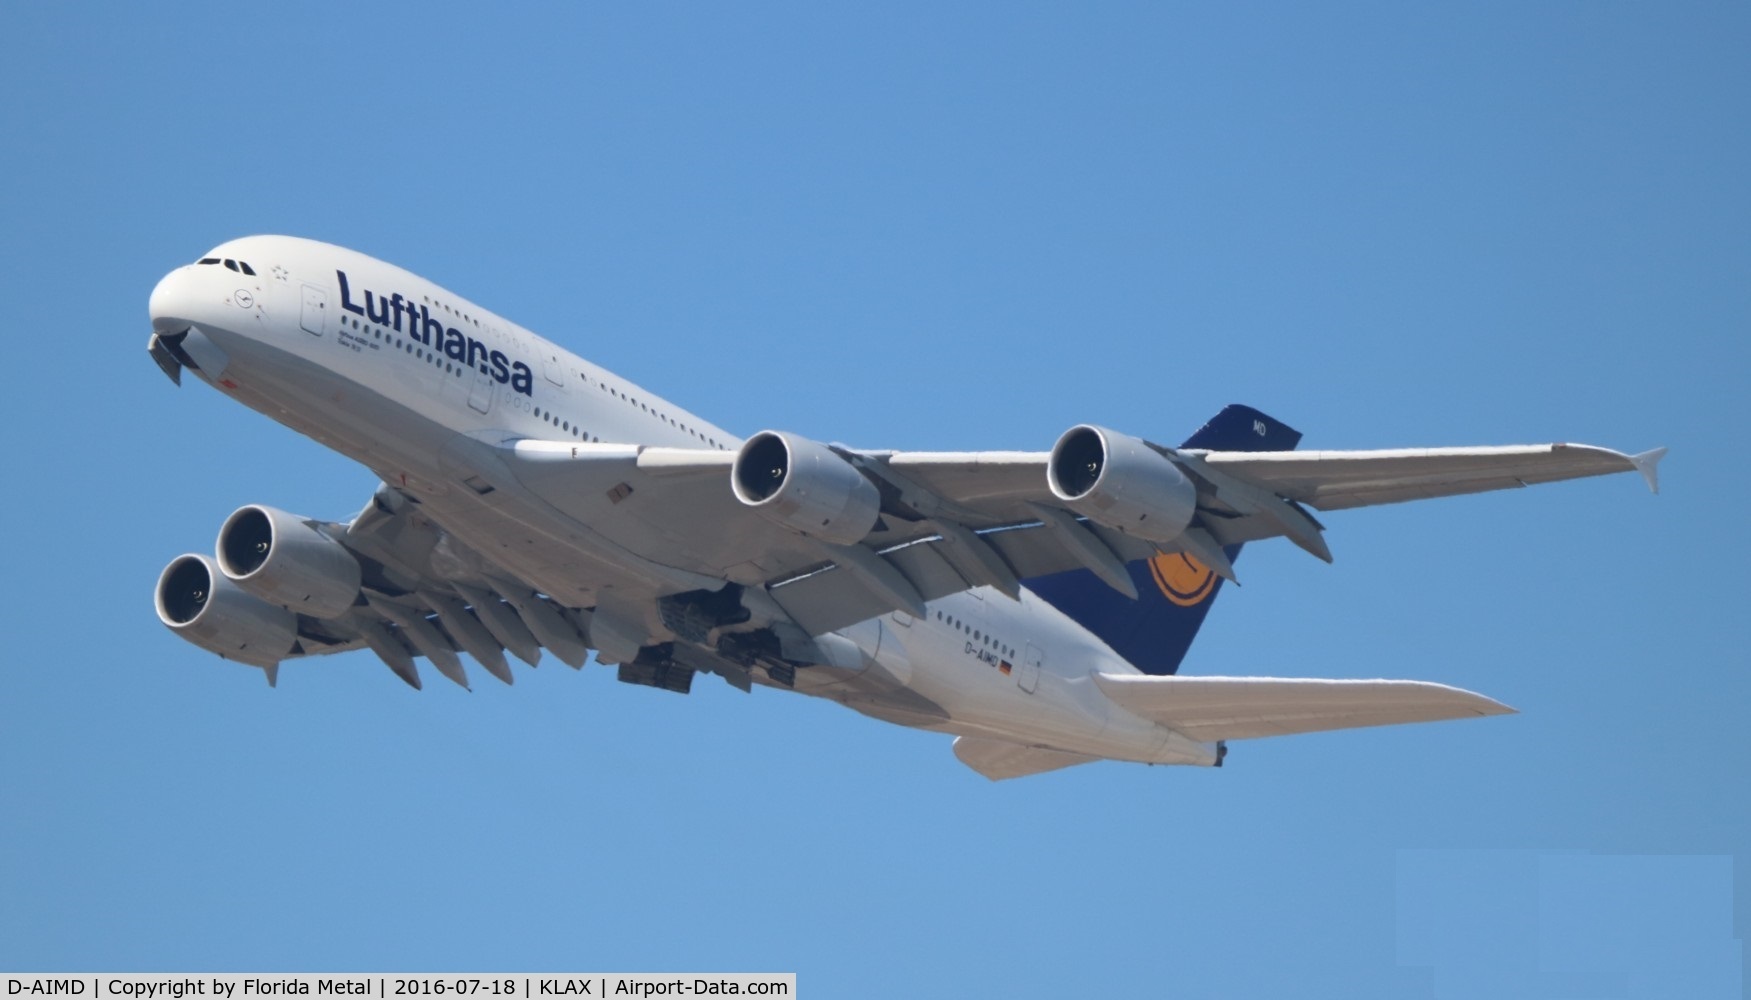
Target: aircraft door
(1027,676)
(480,397)
(553,368)
(510,342)
(315,310)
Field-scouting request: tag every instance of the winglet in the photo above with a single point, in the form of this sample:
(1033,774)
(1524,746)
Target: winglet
(1648,464)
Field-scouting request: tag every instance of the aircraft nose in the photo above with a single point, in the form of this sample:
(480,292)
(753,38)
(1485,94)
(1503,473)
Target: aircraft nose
(173,302)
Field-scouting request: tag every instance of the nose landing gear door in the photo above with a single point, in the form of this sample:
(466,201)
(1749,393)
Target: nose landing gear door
(315,310)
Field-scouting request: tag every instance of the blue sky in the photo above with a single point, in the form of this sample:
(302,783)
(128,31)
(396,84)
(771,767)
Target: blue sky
(917,227)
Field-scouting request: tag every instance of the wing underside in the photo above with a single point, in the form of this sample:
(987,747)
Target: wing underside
(955,520)
(628,550)
(1338,480)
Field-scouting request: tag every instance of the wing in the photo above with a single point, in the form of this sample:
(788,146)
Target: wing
(941,522)
(434,582)
(675,507)
(1335,480)
(423,593)
(1238,708)
(662,561)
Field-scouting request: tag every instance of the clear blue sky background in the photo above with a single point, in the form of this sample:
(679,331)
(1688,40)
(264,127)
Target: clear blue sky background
(924,226)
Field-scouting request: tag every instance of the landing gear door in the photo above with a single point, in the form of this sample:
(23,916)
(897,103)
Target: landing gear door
(315,311)
(1028,676)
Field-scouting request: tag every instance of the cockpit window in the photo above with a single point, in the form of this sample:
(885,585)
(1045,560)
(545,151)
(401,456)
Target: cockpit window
(246,268)
(208,260)
(231,264)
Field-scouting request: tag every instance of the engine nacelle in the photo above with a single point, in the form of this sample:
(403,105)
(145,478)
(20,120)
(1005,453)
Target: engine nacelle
(197,603)
(1119,482)
(279,558)
(805,487)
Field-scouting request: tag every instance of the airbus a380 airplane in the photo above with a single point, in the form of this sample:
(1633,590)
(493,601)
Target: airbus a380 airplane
(1035,604)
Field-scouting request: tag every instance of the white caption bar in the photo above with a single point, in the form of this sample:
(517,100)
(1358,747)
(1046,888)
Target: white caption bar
(394,986)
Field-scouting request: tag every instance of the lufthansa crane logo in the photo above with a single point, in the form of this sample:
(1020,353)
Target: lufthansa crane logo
(1183,580)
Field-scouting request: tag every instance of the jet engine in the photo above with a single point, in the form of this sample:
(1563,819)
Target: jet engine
(281,559)
(804,486)
(197,603)
(1118,481)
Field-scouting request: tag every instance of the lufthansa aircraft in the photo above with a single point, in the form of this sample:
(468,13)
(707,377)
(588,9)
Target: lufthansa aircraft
(1035,604)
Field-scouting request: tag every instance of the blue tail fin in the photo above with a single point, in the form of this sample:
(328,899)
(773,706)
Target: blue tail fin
(1175,591)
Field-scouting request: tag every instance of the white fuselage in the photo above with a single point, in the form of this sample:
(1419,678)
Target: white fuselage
(392,370)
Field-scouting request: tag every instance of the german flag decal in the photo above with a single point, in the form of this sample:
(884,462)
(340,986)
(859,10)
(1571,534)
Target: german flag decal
(1182,579)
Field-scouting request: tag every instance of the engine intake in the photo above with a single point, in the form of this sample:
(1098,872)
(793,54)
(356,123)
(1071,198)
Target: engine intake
(281,559)
(1118,481)
(804,486)
(198,603)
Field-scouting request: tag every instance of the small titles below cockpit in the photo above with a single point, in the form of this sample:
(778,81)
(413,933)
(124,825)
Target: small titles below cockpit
(235,265)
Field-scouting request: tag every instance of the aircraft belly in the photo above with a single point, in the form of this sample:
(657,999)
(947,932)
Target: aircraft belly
(1064,712)
(312,399)
(875,696)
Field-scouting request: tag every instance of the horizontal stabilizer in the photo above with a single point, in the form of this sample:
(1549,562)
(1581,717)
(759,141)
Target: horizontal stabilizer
(999,759)
(1239,708)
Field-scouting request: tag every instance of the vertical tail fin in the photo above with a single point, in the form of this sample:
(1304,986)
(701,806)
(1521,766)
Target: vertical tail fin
(1175,591)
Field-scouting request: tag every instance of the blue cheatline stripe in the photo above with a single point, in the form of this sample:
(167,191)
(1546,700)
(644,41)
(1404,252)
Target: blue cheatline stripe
(1154,631)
